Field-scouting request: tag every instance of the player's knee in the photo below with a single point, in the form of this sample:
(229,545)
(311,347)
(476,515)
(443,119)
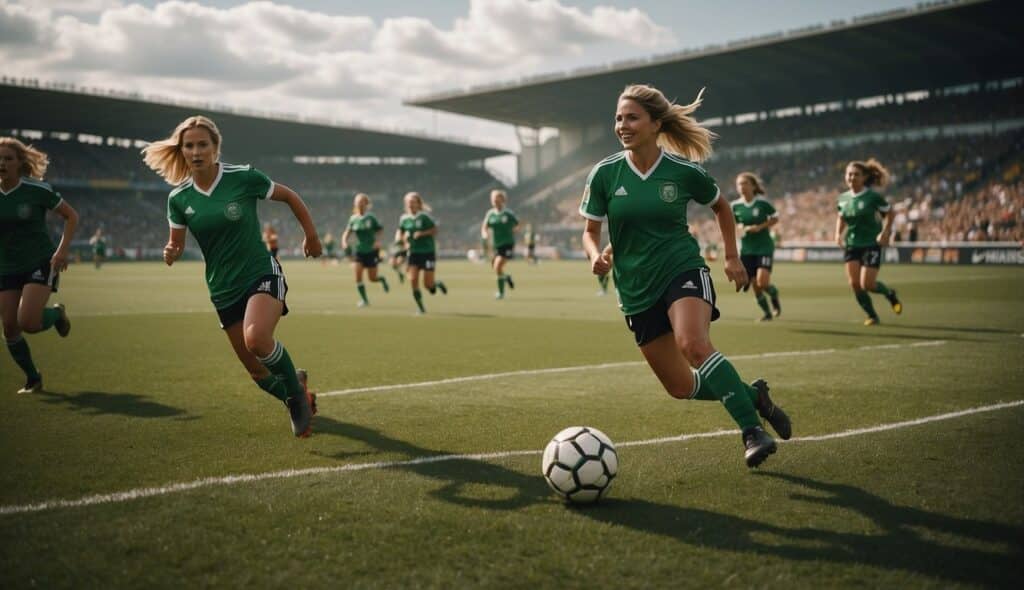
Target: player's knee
(696,350)
(257,341)
(29,326)
(855,284)
(869,285)
(762,283)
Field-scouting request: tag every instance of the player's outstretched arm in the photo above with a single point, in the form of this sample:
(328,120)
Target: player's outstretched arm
(311,243)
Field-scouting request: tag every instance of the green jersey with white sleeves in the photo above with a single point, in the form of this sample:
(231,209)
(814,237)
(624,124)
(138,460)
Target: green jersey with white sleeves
(756,212)
(503,223)
(647,224)
(365,228)
(410,224)
(225,222)
(24,239)
(863,214)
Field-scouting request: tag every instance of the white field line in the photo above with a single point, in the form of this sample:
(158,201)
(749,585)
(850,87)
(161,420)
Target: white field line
(489,376)
(230,480)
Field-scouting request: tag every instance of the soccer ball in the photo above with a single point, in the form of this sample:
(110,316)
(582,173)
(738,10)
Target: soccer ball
(580,463)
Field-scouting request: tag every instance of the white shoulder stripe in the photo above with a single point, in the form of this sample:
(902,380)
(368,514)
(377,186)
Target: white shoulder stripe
(179,188)
(679,160)
(36,183)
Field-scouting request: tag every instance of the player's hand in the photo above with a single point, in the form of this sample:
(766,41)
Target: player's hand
(752,229)
(59,262)
(311,246)
(601,264)
(839,242)
(736,274)
(172,252)
(883,239)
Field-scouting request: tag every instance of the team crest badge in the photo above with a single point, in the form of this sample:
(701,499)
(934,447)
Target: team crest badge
(504,218)
(419,223)
(860,205)
(757,211)
(24,211)
(233,211)
(669,192)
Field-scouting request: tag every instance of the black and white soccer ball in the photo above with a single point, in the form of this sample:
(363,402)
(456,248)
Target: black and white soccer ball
(580,463)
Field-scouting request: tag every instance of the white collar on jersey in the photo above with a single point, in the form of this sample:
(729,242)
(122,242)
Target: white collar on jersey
(5,193)
(864,190)
(216,181)
(632,166)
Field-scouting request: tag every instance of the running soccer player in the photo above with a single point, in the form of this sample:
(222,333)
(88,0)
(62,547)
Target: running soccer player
(30,266)
(398,255)
(865,235)
(330,247)
(217,202)
(665,288)
(502,224)
(531,244)
(99,248)
(755,216)
(418,230)
(367,230)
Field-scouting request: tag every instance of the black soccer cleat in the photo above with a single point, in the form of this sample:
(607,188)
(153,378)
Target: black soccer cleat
(301,408)
(443,288)
(776,306)
(33,385)
(508,279)
(897,305)
(63,324)
(765,318)
(758,444)
(771,412)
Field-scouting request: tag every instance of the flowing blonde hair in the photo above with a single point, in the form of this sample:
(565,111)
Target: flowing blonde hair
(423,204)
(33,161)
(875,174)
(754,180)
(680,133)
(164,156)
(355,202)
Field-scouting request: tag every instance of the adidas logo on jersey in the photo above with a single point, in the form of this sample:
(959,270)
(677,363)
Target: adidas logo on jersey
(38,275)
(190,211)
(689,285)
(621,192)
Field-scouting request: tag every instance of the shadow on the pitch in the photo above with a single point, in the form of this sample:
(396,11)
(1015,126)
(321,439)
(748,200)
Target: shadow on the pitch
(467,482)
(908,539)
(875,333)
(125,404)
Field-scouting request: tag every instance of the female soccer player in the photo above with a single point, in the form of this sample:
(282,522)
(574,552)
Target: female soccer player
(418,229)
(865,236)
(217,202)
(399,255)
(756,216)
(367,230)
(30,266)
(503,225)
(99,248)
(664,286)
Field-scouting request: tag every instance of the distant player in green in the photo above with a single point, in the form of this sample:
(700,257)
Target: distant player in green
(30,265)
(330,248)
(398,255)
(502,224)
(664,286)
(99,248)
(366,229)
(418,232)
(755,216)
(531,244)
(217,203)
(866,218)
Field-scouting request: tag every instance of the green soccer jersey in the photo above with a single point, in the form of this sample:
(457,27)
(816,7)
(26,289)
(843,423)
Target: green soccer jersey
(756,212)
(646,216)
(224,221)
(414,223)
(863,214)
(365,228)
(503,223)
(99,247)
(24,241)
(330,246)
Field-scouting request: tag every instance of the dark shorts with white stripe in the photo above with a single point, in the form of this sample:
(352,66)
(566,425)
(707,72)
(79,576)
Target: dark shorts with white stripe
(870,256)
(653,321)
(41,275)
(273,285)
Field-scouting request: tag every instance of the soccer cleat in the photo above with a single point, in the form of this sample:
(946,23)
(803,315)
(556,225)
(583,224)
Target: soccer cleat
(771,412)
(508,279)
(33,385)
(776,306)
(758,444)
(765,318)
(363,304)
(63,324)
(443,288)
(301,414)
(897,305)
(871,322)
(499,295)
(384,284)
(401,279)
(303,376)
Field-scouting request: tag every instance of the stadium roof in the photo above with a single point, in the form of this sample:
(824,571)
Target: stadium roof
(936,45)
(247,136)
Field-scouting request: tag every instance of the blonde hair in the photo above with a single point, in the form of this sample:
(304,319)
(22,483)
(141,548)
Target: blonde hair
(423,204)
(680,133)
(754,180)
(164,156)
(500,193)
(875,174)
(33,161)
(355,202)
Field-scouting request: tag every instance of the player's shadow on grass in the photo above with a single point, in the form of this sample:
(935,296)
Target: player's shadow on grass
(909,539)
(125,404)
(468,482)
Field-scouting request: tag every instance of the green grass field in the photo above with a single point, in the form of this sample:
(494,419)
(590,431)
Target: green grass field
(147,411)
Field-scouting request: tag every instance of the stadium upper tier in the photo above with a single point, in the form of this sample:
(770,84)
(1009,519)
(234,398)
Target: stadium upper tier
(24,105)
(936,45)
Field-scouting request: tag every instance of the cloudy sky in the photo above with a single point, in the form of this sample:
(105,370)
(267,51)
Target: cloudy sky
(356,60)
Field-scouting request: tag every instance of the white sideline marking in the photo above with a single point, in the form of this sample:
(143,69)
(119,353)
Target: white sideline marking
(126,496)
(488,376)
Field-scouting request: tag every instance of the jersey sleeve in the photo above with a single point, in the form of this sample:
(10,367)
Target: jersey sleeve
(175,216)
(772,213)
(50,199)
(376,224)
(428,222)
(594,205)
(703,188)
(881,204)
(259,184)
(512,217)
